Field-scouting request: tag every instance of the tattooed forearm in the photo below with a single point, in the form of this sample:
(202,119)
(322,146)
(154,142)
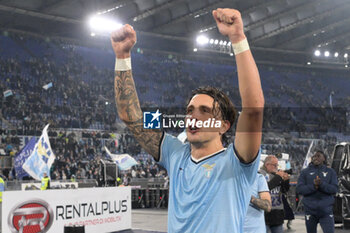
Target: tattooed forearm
(129,111)
(128,104)
(261,203)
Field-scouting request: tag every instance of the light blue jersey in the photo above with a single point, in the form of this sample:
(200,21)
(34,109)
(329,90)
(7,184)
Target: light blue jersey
(210,195)
(255,219)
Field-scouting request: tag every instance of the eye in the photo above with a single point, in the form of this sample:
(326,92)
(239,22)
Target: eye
(207,110)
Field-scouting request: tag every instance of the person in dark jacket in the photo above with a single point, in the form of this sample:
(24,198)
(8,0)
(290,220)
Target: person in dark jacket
(318,184)
(278,183)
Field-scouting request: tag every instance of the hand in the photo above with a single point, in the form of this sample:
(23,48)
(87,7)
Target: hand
(317,182)
(229,22)
(123,40)
(284,175)
(252,199)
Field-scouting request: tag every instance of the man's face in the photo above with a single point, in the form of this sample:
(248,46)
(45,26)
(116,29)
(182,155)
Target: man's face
(201,108)
(272,165)
(318,159)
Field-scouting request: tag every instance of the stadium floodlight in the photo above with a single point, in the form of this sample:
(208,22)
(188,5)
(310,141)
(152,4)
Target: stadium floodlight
(229,44)
(202,40)
(225,42)
(100,24)
(346,66)
(231,54)
(308,63)
(195,50)
(345,55)
(336,54)
(317,53)
(221,42)
(216,41)
(92,34)
(211,41)
(326,53)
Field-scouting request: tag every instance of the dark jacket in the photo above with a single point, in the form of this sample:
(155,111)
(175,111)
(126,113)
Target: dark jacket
(318,201)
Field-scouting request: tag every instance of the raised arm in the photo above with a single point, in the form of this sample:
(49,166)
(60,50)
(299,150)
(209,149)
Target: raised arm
(126,98)
(249,125)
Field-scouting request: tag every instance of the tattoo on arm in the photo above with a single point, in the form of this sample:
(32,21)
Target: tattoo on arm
(130,112)
(261,203)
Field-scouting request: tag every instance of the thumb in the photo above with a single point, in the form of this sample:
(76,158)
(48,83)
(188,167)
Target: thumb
(215,13)
(128,29)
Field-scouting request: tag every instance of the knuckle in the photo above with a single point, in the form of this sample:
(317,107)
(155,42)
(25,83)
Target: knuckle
(236,11)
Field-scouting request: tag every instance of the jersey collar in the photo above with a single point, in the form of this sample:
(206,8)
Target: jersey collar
(196,161)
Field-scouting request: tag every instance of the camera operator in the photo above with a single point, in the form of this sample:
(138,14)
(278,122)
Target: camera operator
(278,182)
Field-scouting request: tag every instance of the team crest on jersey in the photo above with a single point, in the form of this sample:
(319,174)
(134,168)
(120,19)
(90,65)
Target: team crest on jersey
(325,174)
(208,169)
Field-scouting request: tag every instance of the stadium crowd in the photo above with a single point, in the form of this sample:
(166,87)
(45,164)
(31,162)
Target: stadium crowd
(82,97)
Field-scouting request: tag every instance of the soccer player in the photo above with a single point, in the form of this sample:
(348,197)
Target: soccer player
(318,184)
(210,186)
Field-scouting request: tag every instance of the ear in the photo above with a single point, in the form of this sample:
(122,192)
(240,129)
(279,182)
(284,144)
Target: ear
(225,125)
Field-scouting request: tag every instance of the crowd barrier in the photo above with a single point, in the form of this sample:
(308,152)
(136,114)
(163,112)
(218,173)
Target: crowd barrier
(149,198)
(13,185)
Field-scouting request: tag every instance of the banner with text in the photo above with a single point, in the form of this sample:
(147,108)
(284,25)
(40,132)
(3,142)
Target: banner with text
(53,185)
(98,209)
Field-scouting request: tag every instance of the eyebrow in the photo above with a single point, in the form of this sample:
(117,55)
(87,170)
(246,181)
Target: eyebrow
(200,106)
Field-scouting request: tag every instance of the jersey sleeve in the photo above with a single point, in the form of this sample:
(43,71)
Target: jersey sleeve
(248,170)
(262,184)
(167,150)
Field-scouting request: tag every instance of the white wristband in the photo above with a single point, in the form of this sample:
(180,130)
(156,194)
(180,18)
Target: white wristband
(241,46)
(123,64)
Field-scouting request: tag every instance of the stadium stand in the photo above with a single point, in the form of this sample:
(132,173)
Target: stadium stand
(82,98)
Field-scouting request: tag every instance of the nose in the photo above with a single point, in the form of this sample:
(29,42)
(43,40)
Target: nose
(194,114)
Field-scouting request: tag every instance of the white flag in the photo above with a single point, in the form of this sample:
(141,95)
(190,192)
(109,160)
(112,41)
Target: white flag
(124,161)
(47,86)
(182,136)
(308,155)
(8,93)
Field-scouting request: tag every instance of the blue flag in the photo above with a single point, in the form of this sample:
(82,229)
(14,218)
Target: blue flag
(22,156)
(41,159)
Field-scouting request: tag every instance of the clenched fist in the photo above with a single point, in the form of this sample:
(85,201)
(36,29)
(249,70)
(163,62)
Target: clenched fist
(123,40)
(229,22)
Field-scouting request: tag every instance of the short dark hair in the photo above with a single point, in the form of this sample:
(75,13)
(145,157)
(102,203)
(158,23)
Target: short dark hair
(226,107)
